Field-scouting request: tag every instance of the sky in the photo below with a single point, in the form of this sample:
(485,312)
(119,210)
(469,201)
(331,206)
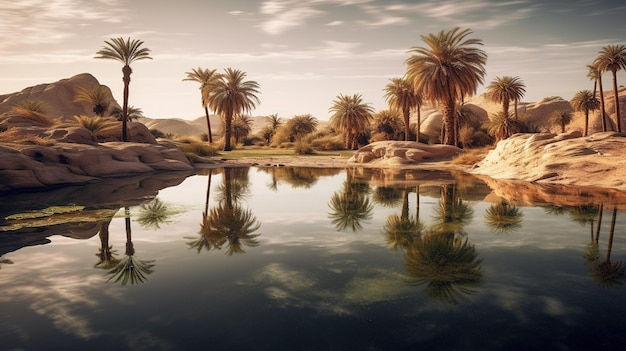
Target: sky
(303,53)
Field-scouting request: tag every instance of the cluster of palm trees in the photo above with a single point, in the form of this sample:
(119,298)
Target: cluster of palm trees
(446,71)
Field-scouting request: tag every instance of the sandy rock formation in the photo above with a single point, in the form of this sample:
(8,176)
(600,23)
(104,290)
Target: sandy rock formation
(562,159)
(57,97)
(389,153)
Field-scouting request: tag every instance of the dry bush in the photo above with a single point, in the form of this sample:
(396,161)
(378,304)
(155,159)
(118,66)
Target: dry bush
(36,118)
(18,137)
(188,140)
(94,124)
(471,156)
(198,149)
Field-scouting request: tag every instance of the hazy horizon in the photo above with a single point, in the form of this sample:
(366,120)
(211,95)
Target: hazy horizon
(302,53)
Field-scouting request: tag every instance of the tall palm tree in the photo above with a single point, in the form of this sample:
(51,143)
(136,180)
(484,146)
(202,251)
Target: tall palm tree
(585,101)
(126,51)
(612,58)
(230,96)
(351,116)
(504,89)
(99,97)
(401,95)
(450,69)
(207,78)
(596,76)
(562,118)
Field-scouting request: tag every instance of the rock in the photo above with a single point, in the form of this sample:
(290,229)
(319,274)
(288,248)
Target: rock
(389,153)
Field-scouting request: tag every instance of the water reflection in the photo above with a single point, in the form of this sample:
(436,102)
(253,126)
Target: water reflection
(228,223)
(350,206)
(606,273)
(503,217)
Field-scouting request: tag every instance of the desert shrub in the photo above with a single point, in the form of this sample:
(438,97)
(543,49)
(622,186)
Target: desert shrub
(198,149)
(18,137)
(303,148)
(157,133)
(188,140)
(328,143)
(94,124)
(36,118)
(33,106)
(253,140)
(471,156)
(204,136)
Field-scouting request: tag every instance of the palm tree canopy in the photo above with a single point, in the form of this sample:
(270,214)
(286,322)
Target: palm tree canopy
(506,88)
(611,58)
(350,113)
(232,94)
(451,67)
(401,95)
(204,76)
(584,101)
(126,51)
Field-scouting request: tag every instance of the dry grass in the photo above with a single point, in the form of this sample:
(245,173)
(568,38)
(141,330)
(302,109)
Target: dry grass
(471,156)
(17,137)
(36,118)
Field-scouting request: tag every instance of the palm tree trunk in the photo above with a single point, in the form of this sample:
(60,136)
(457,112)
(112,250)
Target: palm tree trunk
(406,114)
(602,109)
(419,123)
(208,124)
(611,233)
(126,71)
(228,125)
(505,107)
(515,106)
(599,222)
(448,123)
(617,114)
(586,121)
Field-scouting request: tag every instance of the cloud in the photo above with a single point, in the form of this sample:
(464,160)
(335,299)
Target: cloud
(286,14)
(36,22)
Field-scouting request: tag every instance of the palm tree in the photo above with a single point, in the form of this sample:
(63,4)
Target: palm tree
(388,122)
(99,97)
(562,118)
(501,126)
(126,51)
(402,231)
(241,126)
(401,95)
(503,217)
(106,256)
(351,116)
(231,95)
(450,69)
(585,101)
(206,78)
(596,76)
(300,125)
(504,89)
(612,58)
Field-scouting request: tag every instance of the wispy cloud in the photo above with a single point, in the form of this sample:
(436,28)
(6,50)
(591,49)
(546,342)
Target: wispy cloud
(37,22)
(286,14)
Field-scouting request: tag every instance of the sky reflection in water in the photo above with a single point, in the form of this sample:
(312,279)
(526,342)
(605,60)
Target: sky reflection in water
(282,258)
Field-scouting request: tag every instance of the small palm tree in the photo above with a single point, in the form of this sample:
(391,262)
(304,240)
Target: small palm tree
(231,95)
(401,95)
(351,116)
(300,125)
(126,51)
(93,124)
(501,126)
(451,68)
(207,79)
(596,76)
(242,126)
(388,122)
(99,97)
(562,118)
(585,101)
(504,89)
(612,58)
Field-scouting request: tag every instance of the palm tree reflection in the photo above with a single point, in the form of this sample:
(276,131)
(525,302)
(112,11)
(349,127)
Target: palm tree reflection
(503,217)
(130,268)
(153,214)
(402,231)
(228,223)
(350,206)
(106,255)
(605,272)
(447,263)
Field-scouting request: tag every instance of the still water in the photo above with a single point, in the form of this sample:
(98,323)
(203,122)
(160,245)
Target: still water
(313,259)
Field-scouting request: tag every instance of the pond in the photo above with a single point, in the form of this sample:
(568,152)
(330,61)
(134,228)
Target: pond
(283,258)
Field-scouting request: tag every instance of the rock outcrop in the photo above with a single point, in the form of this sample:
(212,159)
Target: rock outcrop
(560,159)
(389,153)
